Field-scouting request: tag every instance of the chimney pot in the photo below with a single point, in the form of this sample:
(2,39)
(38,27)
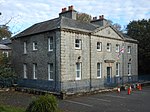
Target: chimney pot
(94,18)
(102,16)
(70,7)
(63,9)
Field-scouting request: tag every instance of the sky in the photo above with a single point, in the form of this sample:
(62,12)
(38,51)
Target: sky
(24,13)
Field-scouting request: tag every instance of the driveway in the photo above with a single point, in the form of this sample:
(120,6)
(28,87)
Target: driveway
(137,101)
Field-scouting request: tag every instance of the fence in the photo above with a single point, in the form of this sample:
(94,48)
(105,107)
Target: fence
(7,82)
(120,80)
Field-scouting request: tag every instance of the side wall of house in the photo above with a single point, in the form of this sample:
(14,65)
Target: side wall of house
(41,57)
(130,58)
(69,57)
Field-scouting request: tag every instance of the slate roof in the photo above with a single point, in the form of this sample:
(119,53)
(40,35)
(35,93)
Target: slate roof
(5,41)
(64,22)
(4,47)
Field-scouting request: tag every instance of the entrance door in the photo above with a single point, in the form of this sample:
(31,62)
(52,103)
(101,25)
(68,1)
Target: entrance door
(109,69)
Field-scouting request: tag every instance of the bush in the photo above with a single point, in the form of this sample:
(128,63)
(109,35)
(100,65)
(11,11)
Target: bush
(46,103)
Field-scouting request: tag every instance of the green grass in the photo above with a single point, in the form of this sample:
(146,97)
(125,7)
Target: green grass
(5,108)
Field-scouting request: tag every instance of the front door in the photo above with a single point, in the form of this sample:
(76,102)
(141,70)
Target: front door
(109,69)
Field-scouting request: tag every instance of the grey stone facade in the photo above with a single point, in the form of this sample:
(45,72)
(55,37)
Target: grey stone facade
(65,30)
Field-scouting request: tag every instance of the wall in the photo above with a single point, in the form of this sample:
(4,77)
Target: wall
(69,57)
(41,56)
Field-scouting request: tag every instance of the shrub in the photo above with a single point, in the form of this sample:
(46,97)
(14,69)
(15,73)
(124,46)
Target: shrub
(46,103)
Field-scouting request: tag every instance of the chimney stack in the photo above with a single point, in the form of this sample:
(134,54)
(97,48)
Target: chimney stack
(94,18)
(70,8)
(64,9)
(70,13)
(101,21)
(102,16)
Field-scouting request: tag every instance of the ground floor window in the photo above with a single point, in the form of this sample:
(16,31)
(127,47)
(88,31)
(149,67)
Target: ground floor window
(117,69)
(78,71)
(99,70)
(50,71)
(129,68)
(34,71)
(25,70)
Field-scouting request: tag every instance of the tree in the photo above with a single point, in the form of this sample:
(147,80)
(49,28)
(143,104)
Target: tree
(117,26)
(4,30)
(140,30)
(83,17)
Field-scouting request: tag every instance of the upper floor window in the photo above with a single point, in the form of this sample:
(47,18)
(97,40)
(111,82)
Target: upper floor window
(78,43)
(34,71)
(50,43)
(50,71)
(129,68)
(99,70)
(6,53)
(78,71)
(25,47)
(25,70)
(35,46)
(129,49)
(117,47)
(117,69)
(108,47)
(99,46)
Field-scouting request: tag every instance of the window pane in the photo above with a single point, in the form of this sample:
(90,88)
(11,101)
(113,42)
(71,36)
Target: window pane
(78,74)
(98,45)
(129,49)
(78,71)
(25,70)
(78,66)
(35,46)
(25,47)
(117,69)
(77,43)
(50,71)
(117,48)
(108,46)
(99,70)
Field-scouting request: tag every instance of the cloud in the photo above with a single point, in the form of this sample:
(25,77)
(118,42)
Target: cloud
(29,12)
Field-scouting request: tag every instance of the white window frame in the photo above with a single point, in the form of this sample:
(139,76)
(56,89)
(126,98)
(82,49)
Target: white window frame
(117,47)
(6,53)
(129,69)
(50,71)
(117,69)
(35,46)
(50,43)
(129,50)
(25,47)
(25,70)
(78,71)
(108,47)
(99,70)
(78,44)
(34,71)
(99,46)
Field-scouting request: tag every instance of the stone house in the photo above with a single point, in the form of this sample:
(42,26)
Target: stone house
(5,50)
(5,47)
(63,54)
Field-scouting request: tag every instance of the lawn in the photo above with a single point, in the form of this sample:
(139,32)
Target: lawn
(4,108)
